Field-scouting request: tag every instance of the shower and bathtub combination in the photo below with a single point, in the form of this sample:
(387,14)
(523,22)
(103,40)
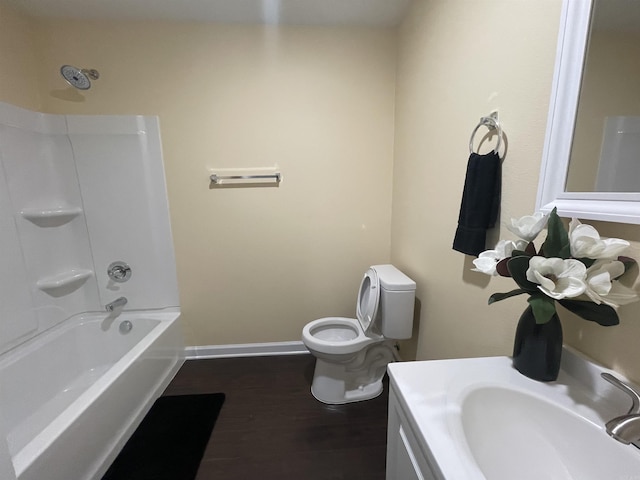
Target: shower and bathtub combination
(89,309)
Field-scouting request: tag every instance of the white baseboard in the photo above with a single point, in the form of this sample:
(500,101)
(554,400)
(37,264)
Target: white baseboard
(200,352)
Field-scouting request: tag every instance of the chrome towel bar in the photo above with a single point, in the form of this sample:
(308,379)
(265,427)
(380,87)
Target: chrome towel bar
(218,179)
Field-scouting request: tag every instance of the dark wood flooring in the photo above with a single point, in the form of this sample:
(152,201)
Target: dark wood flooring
(271,427)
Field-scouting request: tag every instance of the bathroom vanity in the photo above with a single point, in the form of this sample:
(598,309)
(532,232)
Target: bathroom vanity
(479,418)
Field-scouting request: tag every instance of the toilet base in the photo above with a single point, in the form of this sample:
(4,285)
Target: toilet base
(361,379)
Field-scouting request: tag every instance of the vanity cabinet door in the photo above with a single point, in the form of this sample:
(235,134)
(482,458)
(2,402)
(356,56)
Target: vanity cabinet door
(405,460)
(406,465)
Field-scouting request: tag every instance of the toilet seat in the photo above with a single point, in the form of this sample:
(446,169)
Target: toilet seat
(335,335)
(368,299)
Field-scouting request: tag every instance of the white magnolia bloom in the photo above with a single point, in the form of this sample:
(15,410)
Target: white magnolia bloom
(487,260)
(586,242)
(602,286)
(558,278)
(529,226)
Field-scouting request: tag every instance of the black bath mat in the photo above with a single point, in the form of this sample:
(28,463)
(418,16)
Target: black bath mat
(170,441)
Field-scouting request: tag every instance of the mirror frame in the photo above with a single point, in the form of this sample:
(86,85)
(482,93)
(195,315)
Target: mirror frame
(565,92)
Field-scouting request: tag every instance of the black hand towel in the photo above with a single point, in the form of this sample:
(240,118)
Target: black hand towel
(480,203)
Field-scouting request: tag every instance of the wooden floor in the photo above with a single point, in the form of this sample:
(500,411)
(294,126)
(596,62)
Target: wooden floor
(271,427)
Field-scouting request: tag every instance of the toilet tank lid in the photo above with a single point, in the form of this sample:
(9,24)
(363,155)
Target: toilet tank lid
(393,279)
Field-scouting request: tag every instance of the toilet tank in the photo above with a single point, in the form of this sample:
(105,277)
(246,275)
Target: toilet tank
(397,298)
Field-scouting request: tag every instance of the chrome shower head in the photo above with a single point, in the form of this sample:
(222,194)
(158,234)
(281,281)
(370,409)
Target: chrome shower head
(79,78)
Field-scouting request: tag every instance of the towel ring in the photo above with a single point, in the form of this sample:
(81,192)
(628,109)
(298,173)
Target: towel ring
(492,123)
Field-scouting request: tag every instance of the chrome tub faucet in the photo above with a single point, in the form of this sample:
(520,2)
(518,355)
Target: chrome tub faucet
(118,302)
(625,428)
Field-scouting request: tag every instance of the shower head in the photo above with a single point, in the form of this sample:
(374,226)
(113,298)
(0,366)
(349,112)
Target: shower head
(79,78)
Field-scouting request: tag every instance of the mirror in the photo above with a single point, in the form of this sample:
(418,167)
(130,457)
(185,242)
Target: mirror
(587,170)
(606,139)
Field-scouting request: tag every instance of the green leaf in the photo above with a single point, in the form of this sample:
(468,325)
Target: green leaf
(496,297)
(557,242)
(518,267)
(601,314)
(543,307)
(529,251)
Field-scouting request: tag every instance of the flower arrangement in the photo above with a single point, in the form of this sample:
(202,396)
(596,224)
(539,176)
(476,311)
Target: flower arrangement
(575,268)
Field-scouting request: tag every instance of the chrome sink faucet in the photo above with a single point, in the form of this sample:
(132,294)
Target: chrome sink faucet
(118,302)
(625,428)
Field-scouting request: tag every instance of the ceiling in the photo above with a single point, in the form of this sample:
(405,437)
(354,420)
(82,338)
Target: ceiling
(296,12)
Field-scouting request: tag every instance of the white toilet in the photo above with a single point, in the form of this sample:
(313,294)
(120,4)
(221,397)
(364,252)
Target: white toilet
(352,354)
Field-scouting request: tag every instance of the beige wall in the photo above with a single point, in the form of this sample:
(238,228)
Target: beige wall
(18,63)
(254,264)
(457,61)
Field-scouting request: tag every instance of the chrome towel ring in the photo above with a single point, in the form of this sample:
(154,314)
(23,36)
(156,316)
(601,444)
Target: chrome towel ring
(492,123)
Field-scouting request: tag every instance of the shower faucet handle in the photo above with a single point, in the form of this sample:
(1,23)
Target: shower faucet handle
(119,271)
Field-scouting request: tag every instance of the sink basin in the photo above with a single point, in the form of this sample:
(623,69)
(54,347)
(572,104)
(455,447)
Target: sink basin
(516,435)
(480,419)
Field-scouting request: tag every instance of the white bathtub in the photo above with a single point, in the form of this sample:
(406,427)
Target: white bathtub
(72,396)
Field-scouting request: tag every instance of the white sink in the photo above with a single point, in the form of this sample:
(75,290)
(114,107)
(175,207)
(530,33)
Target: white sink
(516,435)
(480,419)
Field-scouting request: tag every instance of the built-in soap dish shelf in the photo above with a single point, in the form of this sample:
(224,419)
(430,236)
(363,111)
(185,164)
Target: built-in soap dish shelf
(64,283)
(51,217)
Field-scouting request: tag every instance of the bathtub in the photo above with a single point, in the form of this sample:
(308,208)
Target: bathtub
(71,397)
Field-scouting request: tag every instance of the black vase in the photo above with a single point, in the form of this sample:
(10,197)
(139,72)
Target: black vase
(537,348)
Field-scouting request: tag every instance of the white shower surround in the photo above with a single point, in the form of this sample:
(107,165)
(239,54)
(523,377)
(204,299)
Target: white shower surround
(76,193)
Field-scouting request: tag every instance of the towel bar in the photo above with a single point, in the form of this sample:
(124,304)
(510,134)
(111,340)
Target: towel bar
(218,179)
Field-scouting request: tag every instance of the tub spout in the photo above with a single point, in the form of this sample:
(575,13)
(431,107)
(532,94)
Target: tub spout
(118,302)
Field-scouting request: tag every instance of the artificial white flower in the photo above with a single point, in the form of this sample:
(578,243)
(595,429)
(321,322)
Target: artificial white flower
(558,278)
(487,260)
(585,242)
(602,286)
(529,226)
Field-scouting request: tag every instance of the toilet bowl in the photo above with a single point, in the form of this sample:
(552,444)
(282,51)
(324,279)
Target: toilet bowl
(352,353)
(335,338)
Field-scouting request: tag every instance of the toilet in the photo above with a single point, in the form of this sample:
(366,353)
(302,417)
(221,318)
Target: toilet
(352,353)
